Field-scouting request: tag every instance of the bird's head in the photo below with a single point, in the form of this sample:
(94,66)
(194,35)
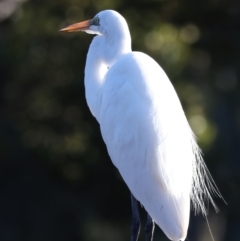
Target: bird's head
(106,23)
(113,35)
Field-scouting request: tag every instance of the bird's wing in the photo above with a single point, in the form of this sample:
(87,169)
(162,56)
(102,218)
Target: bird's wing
(149,140)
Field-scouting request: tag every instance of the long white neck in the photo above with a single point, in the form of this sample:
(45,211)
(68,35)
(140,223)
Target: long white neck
(95,70)
(103,53)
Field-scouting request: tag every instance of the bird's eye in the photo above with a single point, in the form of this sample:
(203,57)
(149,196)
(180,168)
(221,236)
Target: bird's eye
(96,21)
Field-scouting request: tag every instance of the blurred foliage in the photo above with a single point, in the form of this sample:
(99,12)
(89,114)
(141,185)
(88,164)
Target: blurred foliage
(57,182)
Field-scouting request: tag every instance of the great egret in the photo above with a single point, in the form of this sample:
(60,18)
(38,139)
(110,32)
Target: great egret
(145,129)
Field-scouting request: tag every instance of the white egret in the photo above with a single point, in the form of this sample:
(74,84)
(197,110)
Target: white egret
(144,128)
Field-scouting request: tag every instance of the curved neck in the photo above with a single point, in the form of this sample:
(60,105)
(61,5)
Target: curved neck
(101,56)
(95,70)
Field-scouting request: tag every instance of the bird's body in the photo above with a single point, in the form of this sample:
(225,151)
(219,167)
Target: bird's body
(149,140)
(143,125)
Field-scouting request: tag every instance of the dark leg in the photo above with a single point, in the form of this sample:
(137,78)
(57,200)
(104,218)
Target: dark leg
(149,229)
(135,219)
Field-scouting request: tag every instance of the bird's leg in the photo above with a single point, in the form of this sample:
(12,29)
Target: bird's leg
(149,228)
(135,219)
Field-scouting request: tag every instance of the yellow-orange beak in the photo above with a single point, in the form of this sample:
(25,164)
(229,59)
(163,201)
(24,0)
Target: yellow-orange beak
(77,27)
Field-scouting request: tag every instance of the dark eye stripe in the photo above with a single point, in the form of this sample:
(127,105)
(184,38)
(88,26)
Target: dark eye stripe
(96,21)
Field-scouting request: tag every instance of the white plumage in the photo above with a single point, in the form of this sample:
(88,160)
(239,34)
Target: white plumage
(149,140)
(143,125)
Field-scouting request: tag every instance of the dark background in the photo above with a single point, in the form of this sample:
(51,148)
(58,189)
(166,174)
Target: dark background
(56,179)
